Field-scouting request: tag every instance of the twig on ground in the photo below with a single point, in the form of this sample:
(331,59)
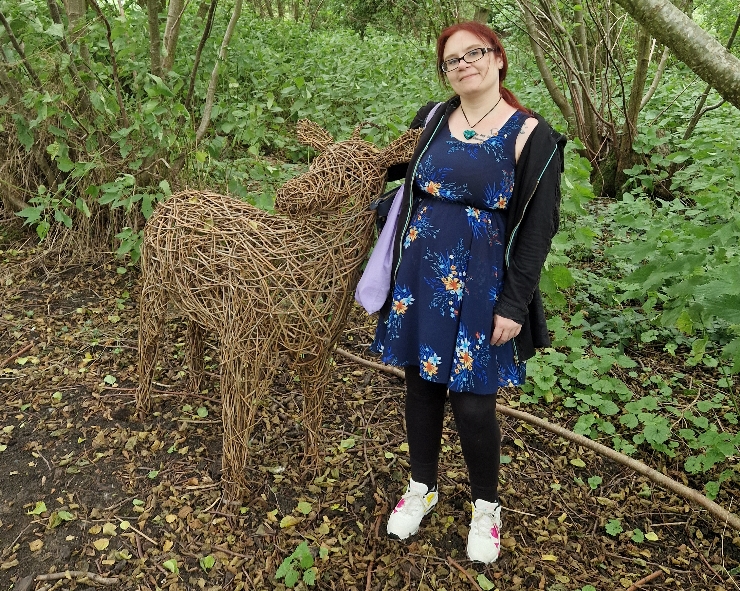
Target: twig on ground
(369,577)
(231,552)
(452,562)
(645,580)
(705,561)
(15,355)
(78,574)
(657,477)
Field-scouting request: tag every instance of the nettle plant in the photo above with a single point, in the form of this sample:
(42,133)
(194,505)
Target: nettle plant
(644,274)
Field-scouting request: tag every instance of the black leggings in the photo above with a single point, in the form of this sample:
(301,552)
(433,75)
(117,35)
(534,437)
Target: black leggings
(477,426)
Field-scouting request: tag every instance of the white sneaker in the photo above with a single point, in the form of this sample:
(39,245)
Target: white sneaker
(484,539)
(414,504)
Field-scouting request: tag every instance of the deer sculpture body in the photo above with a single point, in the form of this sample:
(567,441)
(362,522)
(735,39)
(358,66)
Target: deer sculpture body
(264,283)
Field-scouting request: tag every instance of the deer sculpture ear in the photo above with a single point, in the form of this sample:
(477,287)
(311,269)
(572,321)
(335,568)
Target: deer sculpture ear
(312,134)
(401,149)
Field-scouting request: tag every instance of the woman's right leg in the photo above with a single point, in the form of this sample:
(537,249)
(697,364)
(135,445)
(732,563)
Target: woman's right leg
(425,408)
(425,404)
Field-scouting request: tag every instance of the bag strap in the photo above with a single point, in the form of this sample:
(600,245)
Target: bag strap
(431,113)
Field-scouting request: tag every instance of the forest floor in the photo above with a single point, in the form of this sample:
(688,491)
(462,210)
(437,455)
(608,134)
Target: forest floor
(86,486)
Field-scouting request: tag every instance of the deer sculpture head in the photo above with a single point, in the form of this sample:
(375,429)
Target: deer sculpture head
(345,174)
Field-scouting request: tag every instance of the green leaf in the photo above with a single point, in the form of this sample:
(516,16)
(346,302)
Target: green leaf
(637,536)
(309,577)
(304,507)
(291,578)
(38,509)
(171,565)
(55,30)
(484,583)
(594,482)
(202,412)
(285,567)
(614,527)
(578,462)
(207,562)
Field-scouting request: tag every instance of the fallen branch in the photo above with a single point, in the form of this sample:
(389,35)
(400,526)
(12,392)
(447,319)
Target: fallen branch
(18,354)
(657,477)
(78,574)
(645,580)
(452,562)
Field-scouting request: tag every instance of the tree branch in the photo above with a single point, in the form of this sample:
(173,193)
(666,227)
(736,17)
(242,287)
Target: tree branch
(199,51)
(656,80)
(211,94)
(19,50)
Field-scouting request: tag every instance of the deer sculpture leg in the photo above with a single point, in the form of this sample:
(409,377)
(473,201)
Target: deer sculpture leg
(194,356)
(152,312)
(245,377)
(314,378)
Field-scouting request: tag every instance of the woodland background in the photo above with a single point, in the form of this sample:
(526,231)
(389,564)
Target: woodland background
(107,107)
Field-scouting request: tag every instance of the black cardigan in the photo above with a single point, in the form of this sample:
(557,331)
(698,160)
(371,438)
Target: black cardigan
(532,220)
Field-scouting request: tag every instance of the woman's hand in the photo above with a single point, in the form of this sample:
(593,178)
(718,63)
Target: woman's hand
(504,329)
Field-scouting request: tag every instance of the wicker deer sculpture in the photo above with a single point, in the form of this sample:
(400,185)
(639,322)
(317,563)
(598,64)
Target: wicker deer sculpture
(265,284)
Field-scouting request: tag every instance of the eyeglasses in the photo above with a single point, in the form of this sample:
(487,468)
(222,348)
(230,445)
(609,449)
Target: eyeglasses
(471,56)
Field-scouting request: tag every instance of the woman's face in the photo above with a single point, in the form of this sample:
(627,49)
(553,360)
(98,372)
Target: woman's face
(480,77)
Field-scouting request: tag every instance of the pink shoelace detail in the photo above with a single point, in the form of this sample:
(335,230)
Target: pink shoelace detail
(400,504)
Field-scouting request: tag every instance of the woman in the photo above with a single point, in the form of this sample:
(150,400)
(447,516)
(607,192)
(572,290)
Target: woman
(481,206)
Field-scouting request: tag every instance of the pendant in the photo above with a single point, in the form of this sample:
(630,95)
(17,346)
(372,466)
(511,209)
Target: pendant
(469,134)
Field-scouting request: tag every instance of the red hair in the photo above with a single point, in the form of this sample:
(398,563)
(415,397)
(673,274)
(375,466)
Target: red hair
(486,35)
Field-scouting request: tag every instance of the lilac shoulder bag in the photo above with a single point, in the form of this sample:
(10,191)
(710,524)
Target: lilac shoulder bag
(375,283)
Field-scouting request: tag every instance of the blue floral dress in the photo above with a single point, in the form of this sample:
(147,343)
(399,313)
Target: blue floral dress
(452,266)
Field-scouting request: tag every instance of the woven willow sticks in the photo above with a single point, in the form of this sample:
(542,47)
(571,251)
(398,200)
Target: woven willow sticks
(265,283)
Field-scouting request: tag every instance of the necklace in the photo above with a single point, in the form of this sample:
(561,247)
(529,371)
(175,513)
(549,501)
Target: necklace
(470,133)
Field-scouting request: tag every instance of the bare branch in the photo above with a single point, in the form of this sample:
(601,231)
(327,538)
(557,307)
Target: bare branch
(656,79)
(199,51)
(211,94)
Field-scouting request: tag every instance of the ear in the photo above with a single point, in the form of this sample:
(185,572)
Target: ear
(401,149)
(312,134)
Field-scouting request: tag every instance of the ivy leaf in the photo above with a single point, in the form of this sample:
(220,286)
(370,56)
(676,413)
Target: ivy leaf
(614,527)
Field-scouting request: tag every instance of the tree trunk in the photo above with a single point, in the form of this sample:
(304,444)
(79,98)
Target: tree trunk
(172,32)
(481,14)
(155,41)
(555,93)
(211,95)
(706,56)
(629,130)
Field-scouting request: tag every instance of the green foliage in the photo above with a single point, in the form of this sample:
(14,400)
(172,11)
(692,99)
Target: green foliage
(301,560)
